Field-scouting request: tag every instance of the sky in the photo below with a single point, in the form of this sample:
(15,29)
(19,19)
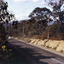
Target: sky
(22,8)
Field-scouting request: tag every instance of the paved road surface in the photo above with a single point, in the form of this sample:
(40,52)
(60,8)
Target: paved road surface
(35,54)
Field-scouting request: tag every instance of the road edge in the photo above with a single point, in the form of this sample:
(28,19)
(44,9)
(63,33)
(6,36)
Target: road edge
(49,50)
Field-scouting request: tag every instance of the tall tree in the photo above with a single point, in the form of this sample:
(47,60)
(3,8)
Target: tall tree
(57,12)
(5,16)
(43,15)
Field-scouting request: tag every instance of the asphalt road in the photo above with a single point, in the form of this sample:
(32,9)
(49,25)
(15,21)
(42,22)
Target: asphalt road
(35,54)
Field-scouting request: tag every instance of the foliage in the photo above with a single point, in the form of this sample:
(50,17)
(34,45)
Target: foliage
(5,17)
(8,55)
(57,13)
(35,30)
(40,13)
(14,24)
(2,35)
(56,31)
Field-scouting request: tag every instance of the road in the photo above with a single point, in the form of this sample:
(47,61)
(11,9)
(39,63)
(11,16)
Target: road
(35,54)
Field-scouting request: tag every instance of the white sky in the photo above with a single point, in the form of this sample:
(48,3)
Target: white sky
(22,8)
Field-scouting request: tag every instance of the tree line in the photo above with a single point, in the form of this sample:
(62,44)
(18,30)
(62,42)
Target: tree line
(38,24)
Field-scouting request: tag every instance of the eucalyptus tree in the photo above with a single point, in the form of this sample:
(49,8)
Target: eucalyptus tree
(5,17)
(42,15)
(58,9)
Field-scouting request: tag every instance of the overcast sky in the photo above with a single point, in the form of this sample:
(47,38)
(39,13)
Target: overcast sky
(22,8)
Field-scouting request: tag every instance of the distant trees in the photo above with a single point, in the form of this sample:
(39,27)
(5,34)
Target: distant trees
(14,24)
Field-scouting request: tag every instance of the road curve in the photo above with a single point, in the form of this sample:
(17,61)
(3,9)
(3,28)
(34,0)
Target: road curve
(35,54)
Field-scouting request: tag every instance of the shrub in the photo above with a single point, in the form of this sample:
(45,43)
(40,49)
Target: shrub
(2,34)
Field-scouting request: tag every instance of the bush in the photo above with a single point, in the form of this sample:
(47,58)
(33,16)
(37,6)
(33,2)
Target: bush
(56,31)
(2,34)
(43,36)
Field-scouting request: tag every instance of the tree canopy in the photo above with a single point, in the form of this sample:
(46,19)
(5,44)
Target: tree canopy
(40,13)
(5,16)
(57,12)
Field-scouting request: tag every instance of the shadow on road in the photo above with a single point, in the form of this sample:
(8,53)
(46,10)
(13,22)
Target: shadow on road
(32,54)
(38,57)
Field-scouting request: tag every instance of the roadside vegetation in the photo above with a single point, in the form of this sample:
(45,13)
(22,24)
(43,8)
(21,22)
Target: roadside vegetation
(6,53)
(36,30)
